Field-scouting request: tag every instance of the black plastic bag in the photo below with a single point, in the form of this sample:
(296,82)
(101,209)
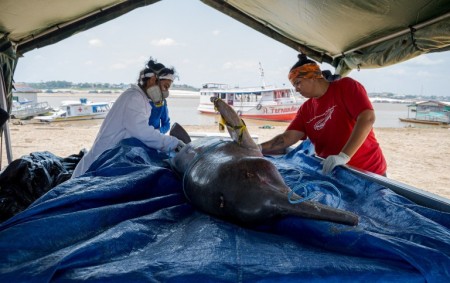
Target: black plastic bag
(4,116)
(26,179)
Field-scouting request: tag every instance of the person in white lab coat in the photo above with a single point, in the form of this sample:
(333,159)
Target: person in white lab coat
(140,112)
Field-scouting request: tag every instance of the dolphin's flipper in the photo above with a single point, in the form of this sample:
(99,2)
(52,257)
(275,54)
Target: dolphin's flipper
(180,133)
(235,125)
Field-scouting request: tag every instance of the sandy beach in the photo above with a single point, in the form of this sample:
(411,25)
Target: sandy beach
(416,156)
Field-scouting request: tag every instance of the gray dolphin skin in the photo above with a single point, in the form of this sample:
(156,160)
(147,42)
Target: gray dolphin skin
(231,179)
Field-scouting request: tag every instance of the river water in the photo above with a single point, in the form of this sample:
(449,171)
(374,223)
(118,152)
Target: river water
(183,109)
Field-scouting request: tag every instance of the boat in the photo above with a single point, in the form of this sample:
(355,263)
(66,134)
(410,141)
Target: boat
(266,103)
(78,110)
(25,110)
(429,112)
(425,122)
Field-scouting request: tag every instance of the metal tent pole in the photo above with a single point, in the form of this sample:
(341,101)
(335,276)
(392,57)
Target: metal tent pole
(6,125)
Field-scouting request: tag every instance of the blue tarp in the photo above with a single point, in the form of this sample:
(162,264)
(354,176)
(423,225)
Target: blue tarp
(127,220)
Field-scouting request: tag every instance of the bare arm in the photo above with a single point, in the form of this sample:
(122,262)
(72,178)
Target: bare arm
(364,124)
(279,143)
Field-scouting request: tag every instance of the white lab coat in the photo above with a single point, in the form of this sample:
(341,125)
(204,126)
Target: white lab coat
(127,118)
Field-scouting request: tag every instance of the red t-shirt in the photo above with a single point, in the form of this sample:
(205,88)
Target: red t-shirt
(328,122)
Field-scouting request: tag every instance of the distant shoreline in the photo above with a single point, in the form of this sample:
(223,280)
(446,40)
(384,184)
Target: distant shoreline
(183,105)
(175,93)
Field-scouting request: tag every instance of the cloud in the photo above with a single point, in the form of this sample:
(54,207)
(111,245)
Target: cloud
(396,71)
(216,32)
(39,57)
(129,62)
(425,60)
(89,63)
(240,65)
(95,42)
(164,42)
(119,66)
(424,74)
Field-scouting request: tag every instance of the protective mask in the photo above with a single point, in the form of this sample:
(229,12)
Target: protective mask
(165,93)
(155,95)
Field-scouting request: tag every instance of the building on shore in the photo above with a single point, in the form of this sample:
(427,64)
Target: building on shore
(429,112)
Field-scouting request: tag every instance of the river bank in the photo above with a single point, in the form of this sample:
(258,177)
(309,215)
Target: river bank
(415,156)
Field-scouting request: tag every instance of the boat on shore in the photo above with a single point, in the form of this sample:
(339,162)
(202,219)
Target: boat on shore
(28,109)
(429,112)
(78,110)
(425,122)
(266,103)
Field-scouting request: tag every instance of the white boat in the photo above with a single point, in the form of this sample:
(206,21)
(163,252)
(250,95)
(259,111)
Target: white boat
(28,109)
(267,103)
(78,110)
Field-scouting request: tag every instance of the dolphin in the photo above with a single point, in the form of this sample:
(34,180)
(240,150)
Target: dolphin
(231,179)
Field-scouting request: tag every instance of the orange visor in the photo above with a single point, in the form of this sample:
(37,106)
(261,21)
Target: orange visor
(308,71)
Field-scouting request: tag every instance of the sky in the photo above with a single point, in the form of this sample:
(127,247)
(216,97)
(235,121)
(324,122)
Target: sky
(204,46)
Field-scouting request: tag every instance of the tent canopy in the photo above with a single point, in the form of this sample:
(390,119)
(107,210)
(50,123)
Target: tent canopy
(35,24)
(347,34)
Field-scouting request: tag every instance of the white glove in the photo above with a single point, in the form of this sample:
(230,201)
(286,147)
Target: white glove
(180,145)
(334,160)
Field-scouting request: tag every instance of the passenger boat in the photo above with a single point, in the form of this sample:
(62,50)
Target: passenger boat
(78,110)
(267,103)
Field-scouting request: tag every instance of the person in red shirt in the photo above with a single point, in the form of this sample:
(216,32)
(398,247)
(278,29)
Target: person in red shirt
(337,117)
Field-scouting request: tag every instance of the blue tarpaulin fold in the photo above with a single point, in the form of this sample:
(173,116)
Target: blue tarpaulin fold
(127,220)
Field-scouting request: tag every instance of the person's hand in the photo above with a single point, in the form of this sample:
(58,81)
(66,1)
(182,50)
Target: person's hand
(180,145)
(334,160)
(165,128)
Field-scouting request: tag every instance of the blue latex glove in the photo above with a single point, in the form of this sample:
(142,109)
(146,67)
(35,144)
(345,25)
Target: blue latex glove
(159,117)
(165,127)
(165,120)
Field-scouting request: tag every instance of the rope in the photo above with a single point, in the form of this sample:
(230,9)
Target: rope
(241,128)
(307,195)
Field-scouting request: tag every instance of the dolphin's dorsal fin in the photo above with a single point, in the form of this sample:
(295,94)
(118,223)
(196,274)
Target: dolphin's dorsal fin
(180,133)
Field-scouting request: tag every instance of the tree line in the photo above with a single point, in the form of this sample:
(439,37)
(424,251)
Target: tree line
(71,85)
